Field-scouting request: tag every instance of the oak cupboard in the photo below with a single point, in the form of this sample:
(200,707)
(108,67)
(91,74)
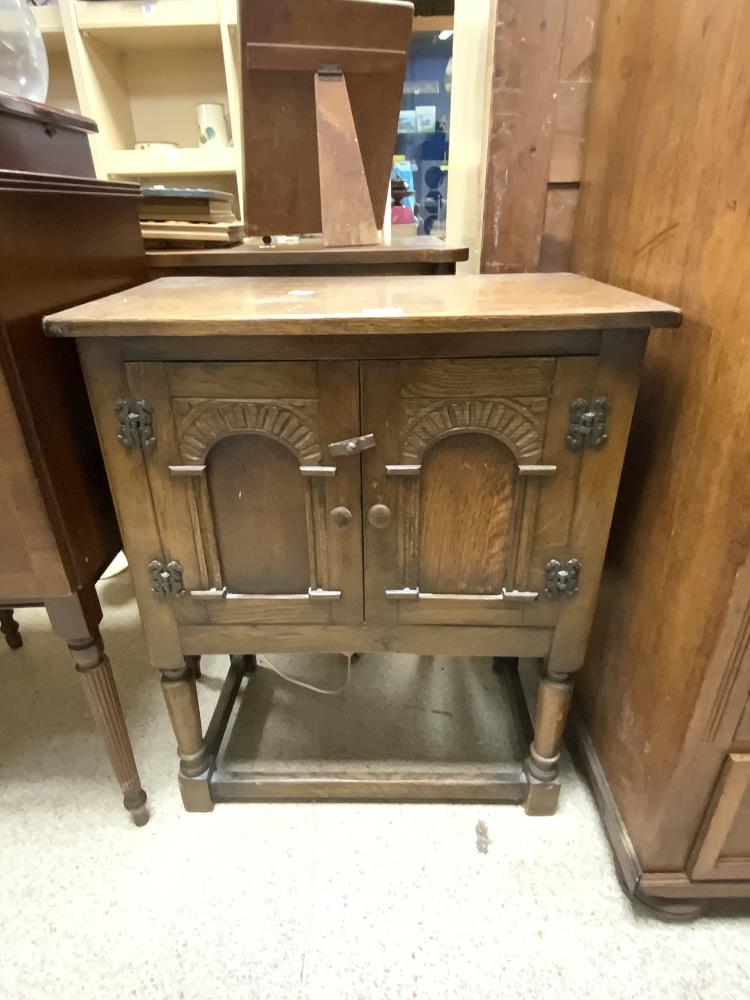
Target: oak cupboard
(363,464)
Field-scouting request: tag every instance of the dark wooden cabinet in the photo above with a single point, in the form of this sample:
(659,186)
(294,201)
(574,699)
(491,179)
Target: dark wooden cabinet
(37,138)
(63,239)
(365,464)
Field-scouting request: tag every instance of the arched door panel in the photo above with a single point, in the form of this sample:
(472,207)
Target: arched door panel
(473,468)
(466,516)
(244,488)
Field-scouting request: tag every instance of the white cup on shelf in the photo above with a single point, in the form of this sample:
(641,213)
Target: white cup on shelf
(212,124)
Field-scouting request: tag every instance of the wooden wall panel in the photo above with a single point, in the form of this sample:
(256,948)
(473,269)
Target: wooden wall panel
(543,57)
(528,39)
(559,226)
(574,86)
(666,212)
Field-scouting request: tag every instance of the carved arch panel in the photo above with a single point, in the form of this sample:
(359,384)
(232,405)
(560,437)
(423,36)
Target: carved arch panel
(518,423)
(201,423)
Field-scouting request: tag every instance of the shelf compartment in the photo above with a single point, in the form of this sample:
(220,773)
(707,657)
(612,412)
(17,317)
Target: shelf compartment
(49,22)
(129,24)
(173,162)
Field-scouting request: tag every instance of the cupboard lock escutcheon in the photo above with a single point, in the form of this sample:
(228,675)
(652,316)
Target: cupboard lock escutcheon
(166,580)
(352,445)
(135,422)
(561,579)
(588,423)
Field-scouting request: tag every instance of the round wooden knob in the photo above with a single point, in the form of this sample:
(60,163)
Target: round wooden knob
(341,517)
(379,515)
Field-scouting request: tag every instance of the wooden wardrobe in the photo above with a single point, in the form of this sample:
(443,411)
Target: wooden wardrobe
(663,705)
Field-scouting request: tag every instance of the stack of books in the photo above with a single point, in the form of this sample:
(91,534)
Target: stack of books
(188,217)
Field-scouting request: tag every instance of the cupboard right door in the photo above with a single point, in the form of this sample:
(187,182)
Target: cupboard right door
(469,492)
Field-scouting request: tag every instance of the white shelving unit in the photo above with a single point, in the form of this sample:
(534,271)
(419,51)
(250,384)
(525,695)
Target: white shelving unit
(49,22)
(139,69)
(175,162)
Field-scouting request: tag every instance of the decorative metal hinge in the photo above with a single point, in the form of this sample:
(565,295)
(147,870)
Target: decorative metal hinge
(561,579)
(166,580)
(588,423)
(135,422)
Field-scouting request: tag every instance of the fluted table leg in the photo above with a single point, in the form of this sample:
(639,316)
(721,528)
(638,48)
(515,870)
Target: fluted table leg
(76,619)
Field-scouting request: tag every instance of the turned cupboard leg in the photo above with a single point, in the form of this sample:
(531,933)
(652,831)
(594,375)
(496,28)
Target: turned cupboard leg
(9,628)
(76,619)
(541,766)
(181,697)
(250,664)
(193,663)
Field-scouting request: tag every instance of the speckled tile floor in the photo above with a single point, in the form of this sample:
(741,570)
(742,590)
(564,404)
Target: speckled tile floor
(296,901)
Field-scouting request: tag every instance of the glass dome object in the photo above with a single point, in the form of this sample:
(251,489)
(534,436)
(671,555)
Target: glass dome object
(23,58)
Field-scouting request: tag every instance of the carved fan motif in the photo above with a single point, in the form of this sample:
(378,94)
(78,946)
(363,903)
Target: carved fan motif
(201,423)
(518,423)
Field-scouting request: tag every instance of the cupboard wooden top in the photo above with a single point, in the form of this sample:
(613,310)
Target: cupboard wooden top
(244,306)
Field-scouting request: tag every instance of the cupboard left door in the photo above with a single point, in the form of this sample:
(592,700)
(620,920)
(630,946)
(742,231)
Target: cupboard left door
(260,523)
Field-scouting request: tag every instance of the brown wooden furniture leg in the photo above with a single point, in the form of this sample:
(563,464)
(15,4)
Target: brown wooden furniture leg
(541,766)
(193,663)
(76,619)
(9,628)
(250,664)
(181,696)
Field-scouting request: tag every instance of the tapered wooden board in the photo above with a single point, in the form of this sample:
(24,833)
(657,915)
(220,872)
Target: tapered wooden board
(346,210)
(282,179)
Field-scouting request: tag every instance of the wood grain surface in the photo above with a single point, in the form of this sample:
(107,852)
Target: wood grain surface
(43,268)
(185,307)
(31,566)
(306,252)
(345,206)
(528,37)
(258,501)
(665,212)
(468,493)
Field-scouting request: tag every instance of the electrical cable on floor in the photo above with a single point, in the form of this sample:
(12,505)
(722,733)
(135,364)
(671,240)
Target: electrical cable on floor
(263,661)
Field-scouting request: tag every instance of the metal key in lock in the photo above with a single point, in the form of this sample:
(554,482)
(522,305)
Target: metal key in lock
(352,445)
